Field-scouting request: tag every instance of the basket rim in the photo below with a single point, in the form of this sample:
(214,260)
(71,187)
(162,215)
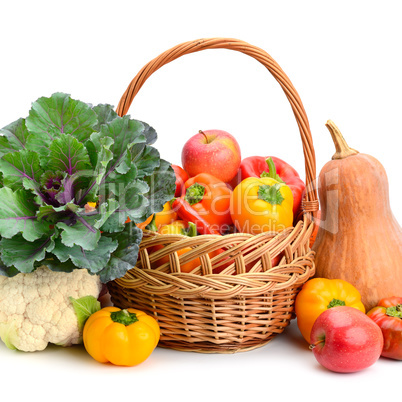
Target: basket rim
(295,267)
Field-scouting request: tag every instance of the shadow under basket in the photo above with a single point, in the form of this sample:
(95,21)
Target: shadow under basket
(241,290)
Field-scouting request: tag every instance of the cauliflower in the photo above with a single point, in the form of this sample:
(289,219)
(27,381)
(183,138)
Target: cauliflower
(37,308)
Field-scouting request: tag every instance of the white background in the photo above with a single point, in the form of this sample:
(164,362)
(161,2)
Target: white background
(343,57)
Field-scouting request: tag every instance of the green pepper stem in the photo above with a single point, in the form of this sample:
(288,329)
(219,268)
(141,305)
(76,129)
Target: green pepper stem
(123,317)
(191,231)
(194,193)
(394,311)
(271,171)
(271,194)
(335,303)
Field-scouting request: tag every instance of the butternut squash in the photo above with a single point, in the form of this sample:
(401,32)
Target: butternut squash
(359,239)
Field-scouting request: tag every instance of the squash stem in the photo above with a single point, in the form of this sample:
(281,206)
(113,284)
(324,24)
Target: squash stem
(342,148)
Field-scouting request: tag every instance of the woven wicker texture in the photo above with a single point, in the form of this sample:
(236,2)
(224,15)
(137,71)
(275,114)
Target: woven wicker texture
(251,299)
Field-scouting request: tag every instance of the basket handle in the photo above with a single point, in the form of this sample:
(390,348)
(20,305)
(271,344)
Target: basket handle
(310,202)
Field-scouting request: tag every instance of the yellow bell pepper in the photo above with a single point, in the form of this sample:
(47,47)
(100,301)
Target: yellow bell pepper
(122,337)
(179,227)
(166,216)
(320,294)
(260,205)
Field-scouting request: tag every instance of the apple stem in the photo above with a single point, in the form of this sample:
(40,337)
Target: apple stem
(202,132)
(313,345)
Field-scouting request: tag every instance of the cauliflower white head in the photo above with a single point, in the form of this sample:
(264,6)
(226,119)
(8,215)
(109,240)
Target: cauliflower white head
(36,308)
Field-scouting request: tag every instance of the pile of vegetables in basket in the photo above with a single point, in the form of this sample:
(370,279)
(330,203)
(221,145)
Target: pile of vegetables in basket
(220,193)
(79,184)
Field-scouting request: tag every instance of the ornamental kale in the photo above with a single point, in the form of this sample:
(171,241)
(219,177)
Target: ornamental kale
(70,176)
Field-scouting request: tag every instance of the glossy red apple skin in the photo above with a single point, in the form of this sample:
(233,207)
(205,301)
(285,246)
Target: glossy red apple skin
(350,341)
(212,151)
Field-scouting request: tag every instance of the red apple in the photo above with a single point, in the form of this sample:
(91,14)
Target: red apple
(212,151)
(345,340)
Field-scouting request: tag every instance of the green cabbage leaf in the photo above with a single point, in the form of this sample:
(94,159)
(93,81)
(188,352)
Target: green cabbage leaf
(70,176)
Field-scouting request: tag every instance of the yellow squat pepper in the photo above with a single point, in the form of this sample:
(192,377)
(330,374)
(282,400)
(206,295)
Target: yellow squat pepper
(320,294)
(261,205)
(122,337)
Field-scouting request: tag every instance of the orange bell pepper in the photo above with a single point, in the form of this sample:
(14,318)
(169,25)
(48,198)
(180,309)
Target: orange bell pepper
(210,198)
(186,212)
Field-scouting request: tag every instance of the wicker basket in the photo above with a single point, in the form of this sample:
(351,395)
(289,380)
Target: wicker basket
(236,309)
